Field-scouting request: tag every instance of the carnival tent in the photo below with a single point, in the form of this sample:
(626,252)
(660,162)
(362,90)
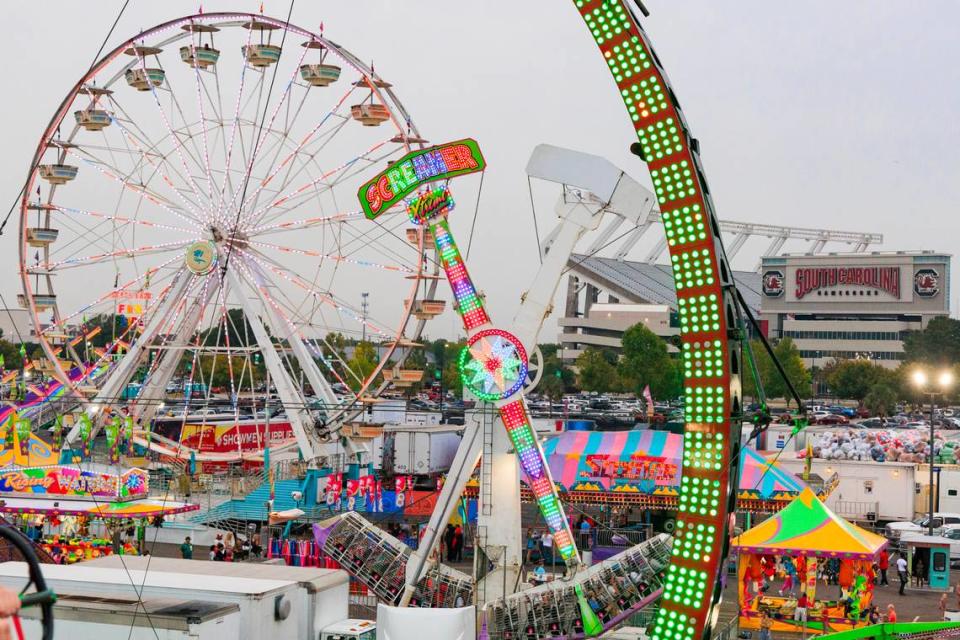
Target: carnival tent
(106,510)
(649,462)
(801,540)
(807,527)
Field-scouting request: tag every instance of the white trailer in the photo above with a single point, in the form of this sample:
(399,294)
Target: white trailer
(265,606)
(418,451)
(77,618)
(868,491)
(321,600)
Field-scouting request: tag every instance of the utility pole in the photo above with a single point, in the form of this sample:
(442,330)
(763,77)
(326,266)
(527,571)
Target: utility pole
(364,307)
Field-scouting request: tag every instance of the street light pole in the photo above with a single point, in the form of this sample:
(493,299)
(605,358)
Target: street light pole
(944,380)
(930,518)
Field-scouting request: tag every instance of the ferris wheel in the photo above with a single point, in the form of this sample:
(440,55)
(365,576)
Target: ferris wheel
(189,217)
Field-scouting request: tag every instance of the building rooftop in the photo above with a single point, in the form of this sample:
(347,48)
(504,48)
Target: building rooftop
(639,282)
(861,254)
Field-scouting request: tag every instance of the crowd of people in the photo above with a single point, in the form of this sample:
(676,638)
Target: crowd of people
(229,548)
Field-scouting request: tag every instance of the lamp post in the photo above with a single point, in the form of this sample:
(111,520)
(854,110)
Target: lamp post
(920,381)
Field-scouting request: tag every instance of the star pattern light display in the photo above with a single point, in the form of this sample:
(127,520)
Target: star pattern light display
(493,365)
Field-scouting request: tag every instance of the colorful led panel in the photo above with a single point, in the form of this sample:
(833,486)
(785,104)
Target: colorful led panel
(688,220)
(468,304)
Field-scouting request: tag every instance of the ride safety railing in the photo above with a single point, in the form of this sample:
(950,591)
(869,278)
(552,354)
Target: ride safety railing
(594,601)
(379,561)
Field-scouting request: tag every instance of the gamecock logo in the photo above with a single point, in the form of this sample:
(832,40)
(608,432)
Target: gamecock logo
(926,283)
(773,284)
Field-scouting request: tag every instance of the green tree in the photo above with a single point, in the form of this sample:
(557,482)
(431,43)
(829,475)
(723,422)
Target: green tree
(444,356)
(553,367)
(111,326)
(646,361)
(11,355)
(773,383)
(854,379)
(551,386)
(596,372)
(881,399)
(938,344)
(235,328)
(361,364)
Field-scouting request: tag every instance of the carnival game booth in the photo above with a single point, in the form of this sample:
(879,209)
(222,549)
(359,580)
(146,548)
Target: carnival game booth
(57,504)
(643,468)
(801,541)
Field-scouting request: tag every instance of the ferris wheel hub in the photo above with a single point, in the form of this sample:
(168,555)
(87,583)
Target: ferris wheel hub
(224,239)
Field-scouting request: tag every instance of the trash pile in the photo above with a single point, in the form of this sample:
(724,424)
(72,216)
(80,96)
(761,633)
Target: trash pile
(901,445)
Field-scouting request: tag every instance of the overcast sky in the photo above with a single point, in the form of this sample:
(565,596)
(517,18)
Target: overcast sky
(841,115)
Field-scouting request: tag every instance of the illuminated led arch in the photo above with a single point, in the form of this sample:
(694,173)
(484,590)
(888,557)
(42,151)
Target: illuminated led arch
(705,300)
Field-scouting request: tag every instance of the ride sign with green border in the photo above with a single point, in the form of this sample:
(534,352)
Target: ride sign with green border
(417,168)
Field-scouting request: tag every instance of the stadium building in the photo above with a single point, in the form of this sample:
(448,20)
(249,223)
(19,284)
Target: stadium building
(852,305)
(606,296)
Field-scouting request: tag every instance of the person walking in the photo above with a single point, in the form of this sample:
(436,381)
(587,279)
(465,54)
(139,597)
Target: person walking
(448,541)
(800,613)
(546,541)
(458,544)
(531,544)
(883,563)
(902,572)
(919,570)
(942,606)
(186,549)
(585,534)
(790,570)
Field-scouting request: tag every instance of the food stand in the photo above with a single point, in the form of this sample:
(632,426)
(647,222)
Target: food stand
(807,535)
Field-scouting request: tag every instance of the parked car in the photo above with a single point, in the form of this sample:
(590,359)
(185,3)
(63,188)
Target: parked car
(952,533)
(825,417)
(872,423)
(914,425)
(895,530)
(842,411)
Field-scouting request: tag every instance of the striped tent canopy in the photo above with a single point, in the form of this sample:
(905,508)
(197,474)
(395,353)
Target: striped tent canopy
(765,479)
(807,527)
(645,461)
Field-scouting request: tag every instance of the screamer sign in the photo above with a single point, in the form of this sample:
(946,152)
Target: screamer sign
(417,168)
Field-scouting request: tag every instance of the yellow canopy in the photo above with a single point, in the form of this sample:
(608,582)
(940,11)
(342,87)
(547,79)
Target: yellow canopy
(807,527)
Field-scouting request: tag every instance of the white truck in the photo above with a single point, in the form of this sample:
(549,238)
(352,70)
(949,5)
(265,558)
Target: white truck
(868,491)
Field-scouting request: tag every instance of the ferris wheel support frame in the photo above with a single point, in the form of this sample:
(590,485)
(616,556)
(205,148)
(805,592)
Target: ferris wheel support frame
(307,363)
(124,370)
(148,400)
(301,421)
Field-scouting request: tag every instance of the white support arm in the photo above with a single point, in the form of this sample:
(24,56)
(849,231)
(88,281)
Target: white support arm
(127,366)
(464,462)
(155,388)
(300,420)
(307,363)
